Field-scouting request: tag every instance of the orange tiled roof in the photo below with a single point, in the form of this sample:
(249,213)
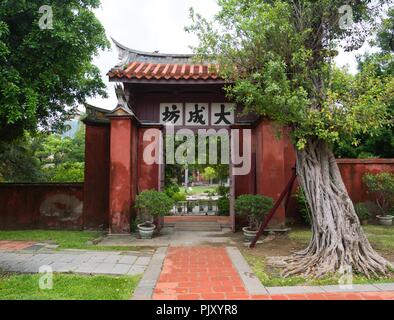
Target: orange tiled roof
(158,66)
(147,70)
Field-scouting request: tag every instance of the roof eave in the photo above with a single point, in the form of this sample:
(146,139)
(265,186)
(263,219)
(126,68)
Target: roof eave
(168,81)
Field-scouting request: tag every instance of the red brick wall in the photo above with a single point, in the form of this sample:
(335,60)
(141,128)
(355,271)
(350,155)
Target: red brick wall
(352,171)
(46,206)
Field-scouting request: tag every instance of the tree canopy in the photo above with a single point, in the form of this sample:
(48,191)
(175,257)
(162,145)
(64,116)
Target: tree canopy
(278,57)
(44,157)
(46,72)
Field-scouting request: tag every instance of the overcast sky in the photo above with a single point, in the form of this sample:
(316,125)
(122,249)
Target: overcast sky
(150,25)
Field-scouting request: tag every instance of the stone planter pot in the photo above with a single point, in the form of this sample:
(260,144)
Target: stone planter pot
(249,235)
(385,220)
(146,230)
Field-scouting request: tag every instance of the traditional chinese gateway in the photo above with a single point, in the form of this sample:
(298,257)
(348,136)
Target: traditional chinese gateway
(158,89)
(154,90)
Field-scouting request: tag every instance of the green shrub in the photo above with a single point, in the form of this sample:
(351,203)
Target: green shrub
(223,206)
(254,208)
(210,193)
(382,185)
(303,207)
(362,210)
(171,189)
(179,196)
(223,191)
(153,203)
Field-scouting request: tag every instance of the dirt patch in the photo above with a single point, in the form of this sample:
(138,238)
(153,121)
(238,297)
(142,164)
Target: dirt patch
(278,245)
(282,245)
(389,255)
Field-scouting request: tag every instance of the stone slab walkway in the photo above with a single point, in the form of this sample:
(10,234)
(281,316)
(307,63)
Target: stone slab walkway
(76,261)
(219,273)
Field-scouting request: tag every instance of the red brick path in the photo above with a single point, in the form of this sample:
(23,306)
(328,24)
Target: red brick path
(15,245)
(199,273)
(207,273)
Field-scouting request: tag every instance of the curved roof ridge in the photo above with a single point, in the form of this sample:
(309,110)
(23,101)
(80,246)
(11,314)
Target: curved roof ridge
(126,55)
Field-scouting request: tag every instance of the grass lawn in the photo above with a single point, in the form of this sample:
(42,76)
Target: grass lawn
(67,287)
(65,239)
(201,189)
(381,238)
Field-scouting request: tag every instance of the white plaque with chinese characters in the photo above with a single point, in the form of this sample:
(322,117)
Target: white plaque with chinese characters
(196,114)
(222,114)
(171,113)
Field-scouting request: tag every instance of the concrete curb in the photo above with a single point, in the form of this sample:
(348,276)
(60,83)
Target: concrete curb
(378,287)
(252,284)
(145,288)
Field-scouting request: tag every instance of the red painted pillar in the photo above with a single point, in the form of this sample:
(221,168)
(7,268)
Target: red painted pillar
(121,173)
(270,167)
(96,175)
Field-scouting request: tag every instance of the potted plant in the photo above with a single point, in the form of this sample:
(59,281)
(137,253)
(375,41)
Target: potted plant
(363,212)
(151,204)
(382,185)
(253,208)
(179,199)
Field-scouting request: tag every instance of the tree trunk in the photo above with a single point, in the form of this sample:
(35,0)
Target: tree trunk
(338,240)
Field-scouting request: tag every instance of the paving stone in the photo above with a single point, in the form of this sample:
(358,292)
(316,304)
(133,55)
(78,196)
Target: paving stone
(127,259)
(77,261)
(350,288)
(135,270)
(145,288)
(385,286)
(112,259)
(97,259)
(143,292)
(67,258)
(104,268)
(28,267)
(16,267)
(294,290)
(120,269)
(142,261)
(62,267)
(87,267)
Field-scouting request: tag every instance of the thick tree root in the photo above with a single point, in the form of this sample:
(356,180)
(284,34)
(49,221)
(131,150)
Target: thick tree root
(338,240)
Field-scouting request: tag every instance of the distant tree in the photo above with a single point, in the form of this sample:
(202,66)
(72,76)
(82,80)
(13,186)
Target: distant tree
(19,162)
(69,172)
(381,143)
(62,159)
(222,172)
(385,35)
(46,73)
(44,157)
(209,174)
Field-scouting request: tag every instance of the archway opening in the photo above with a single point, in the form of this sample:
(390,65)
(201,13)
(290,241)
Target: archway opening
(197,172)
